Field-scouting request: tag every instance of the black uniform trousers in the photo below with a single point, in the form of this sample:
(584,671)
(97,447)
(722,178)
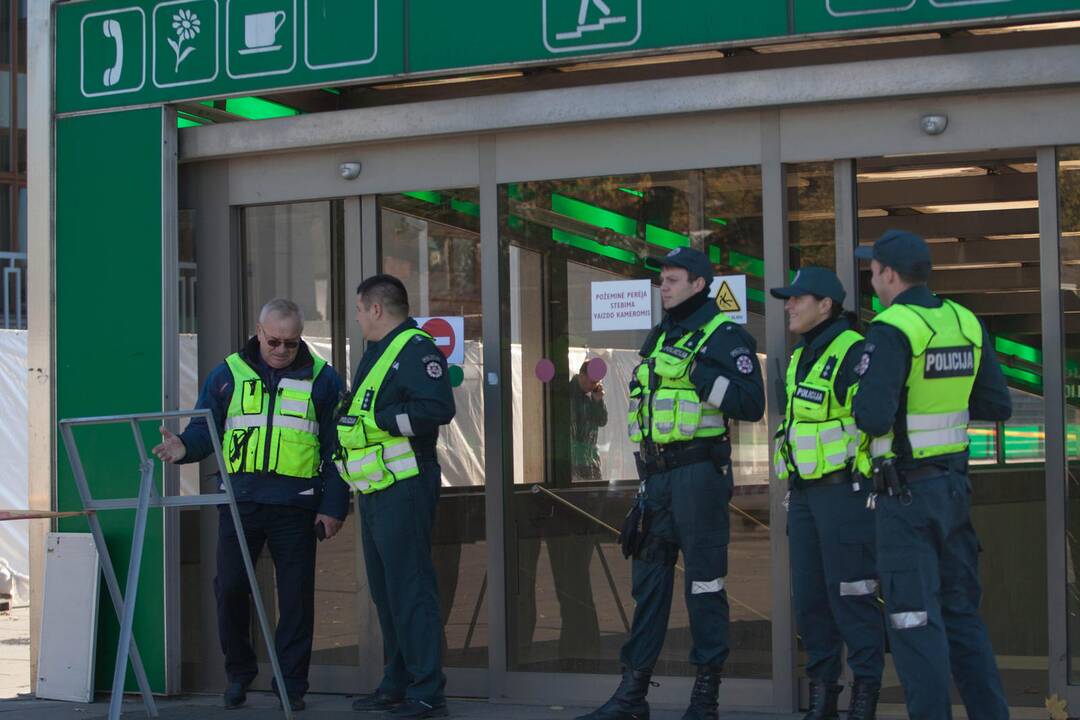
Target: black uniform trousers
(928,556)
(688,511)
(290,533)
(396,525)
(835,582)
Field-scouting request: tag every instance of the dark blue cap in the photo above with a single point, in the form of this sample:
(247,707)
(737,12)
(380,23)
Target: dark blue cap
(694,261)
(904,252)
(813,280)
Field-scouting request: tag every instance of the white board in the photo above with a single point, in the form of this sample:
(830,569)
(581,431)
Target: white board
(621,305)
(69,618)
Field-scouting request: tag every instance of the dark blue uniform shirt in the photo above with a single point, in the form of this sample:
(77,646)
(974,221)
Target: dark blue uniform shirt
(881,403)
(327,493)
(729,356)
(416,397)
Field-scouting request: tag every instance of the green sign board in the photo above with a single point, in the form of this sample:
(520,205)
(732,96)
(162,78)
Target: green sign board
(113,53)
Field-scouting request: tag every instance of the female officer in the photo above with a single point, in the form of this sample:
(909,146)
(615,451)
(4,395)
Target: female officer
(831,532)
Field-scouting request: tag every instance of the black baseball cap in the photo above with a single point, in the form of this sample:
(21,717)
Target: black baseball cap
(903,251)
(813,280)
(693,261)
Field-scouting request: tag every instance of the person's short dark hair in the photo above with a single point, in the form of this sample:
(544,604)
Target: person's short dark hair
(386,290)
(919,275)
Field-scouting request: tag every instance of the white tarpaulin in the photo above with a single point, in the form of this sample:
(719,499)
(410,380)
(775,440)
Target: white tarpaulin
(15,473)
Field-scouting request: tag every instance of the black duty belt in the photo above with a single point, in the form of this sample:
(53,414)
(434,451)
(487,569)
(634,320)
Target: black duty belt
(925,472)
(839,477)
(677,455)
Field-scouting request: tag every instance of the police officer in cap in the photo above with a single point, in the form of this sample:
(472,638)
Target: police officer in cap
(698,371)
(830,531)
(388,432)
(928,368)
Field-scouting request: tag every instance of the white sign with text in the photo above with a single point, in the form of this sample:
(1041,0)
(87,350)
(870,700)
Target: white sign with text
(622,305)
(730,294)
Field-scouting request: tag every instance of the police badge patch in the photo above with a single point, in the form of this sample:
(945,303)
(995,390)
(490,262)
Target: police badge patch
(434,370)
(864,364)
(744,364)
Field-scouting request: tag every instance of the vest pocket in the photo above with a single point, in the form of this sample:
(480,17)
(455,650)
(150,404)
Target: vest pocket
(676,415)
(810,402)
(297,454)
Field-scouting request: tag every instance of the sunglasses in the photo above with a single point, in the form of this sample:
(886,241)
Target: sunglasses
(289,344)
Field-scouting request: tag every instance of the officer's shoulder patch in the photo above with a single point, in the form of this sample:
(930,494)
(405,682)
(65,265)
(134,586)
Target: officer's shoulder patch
(744,364)
(863,364)
(434,369)
(740,351)
(428,358)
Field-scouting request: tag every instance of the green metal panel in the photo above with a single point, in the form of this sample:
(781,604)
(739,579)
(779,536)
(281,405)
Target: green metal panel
(113,53)
(815,16)
(109,343)
(494,32)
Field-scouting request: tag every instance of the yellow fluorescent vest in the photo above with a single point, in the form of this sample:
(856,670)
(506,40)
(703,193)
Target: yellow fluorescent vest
(818,435)
(370,458)
(946,348)
(271,432)
(664,405)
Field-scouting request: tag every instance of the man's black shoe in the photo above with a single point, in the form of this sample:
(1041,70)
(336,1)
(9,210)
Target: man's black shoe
(235,695)
(417,709)
(296,703)
(377,701)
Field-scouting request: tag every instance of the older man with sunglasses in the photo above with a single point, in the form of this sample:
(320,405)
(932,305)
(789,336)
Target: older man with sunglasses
(273,402)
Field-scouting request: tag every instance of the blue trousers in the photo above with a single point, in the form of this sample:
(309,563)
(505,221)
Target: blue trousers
(688,510)
(290,533)
(834,581)
(928,557)
(396,530)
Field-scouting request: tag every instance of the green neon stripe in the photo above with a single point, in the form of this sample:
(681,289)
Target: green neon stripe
(183,122)
(665,238)
(635,193)
(593,215)
(755,294)
(714,255)
(1020,350)
(1022,376)
(428,196)
(719,221)
(258,109)
(465,207)
(592,246)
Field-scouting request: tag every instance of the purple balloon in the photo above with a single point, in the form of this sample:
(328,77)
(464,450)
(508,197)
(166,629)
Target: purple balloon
(545,370)
(596,369)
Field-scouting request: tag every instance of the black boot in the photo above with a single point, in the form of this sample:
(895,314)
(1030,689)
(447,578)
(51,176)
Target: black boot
(703,698)
(864,697)
(823,702)
(628,702)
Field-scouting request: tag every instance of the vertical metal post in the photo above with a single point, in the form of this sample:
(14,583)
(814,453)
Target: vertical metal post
(845,200)
(249,567)
(1054,413)
(106,565)
(127,617)
(498,471)
(774,216)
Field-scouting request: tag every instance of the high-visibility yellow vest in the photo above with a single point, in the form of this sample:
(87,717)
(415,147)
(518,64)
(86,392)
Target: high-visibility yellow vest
(268,431)
(370,458)
(946,349)
(818,435)
(664,405)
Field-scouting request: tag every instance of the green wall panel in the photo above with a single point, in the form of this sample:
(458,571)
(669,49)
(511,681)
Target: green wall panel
(814,16)
(108,343)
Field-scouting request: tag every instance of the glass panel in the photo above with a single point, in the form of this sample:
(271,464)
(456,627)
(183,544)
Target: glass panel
(811,215)
(1069,196)
(289,251)
(573,469)
(430,240)
(979,212)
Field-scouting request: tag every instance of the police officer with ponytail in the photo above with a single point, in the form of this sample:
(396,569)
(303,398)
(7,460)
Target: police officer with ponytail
(698,371)
(388,429)
(830,530)
(928,368)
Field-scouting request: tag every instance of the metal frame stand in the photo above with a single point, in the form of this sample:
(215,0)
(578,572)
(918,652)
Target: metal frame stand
(149,497)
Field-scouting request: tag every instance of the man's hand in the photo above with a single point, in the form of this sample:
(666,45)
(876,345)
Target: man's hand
(171,449)
(330,525)
(598,391)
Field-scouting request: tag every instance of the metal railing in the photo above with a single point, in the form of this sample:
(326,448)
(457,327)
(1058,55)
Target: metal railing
(14,301)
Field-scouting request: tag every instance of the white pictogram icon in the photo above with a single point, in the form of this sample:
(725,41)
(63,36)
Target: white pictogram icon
(583,15)
(187,25)
(260,31)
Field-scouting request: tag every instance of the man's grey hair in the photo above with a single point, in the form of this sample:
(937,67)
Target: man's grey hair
(283,308)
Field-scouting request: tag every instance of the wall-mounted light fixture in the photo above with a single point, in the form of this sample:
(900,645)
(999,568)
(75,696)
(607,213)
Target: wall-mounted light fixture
(349,170)
(934,124)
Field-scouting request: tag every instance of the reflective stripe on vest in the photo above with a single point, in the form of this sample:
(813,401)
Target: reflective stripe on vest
(946,346)
(674,412)
(271,430)
(370,458)
(818,435)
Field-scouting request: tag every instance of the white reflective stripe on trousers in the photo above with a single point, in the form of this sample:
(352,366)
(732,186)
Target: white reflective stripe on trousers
(859,587)
(699,587)
(908,620)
